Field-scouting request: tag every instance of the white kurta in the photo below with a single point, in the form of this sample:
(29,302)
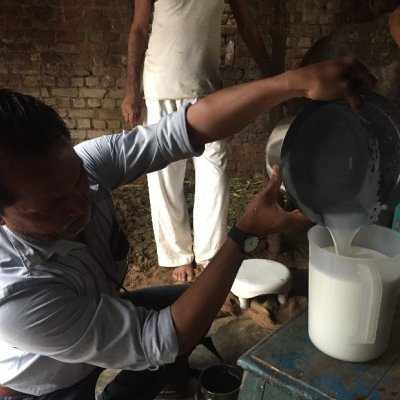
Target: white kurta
(182,64)
(183,55)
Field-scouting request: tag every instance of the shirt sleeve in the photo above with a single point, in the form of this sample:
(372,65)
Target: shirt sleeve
(107,332)
(114,160)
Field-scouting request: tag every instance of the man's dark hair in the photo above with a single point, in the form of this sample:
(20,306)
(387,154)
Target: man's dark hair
(27,126)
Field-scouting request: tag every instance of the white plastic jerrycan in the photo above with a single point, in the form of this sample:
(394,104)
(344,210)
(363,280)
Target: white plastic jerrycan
(352,299)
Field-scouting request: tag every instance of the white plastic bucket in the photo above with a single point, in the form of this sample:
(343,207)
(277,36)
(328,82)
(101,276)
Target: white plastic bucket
(352,300)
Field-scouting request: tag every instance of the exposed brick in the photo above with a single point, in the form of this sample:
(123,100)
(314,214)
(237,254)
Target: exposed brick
(91,133)
(94,103)
(77,82)
(71,36)
(120,82)
(63,82)
(79,134)
(75,70)
(251,74)
(92,81)
(71,123)
(31,81)
(114,124)
(304,42)
(95,50)
(75,59)
(44,92)
(47,80)
(51,69)
(78,103)
(96,37)
(101,23)
(50,57)
(65,48)
(64,92)
(81,113)
(73,4)
(108,82)
(108,103)
(95,93)
(99,124)
(3,68)
(116,93)
(62,112)
(51,101)
(64,102)
(108,114)
(83,123)
(36,35)
(106,70)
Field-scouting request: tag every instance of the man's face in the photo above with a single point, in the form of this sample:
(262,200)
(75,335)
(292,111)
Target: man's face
(51,192)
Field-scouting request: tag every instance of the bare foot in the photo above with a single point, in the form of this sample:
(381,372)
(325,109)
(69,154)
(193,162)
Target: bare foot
(183,273)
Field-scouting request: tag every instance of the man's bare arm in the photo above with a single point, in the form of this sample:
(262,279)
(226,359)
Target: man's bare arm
(229,110)
(137,45)
(251,35)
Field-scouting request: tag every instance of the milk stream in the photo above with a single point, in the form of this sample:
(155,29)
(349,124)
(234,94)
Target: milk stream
(342,239)
(344,225)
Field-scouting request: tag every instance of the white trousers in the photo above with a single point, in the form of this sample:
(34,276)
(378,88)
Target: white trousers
(169,211)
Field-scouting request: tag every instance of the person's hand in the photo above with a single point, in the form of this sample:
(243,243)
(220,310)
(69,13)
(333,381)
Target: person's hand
(263,215)
(132,109)
(346,77)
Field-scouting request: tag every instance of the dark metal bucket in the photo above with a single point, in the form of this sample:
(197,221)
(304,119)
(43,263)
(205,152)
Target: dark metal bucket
(220,382)
(336,161)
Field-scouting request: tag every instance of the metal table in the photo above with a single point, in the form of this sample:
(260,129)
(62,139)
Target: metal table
(286,365)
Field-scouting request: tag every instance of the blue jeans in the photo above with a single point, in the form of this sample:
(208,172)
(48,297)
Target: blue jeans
(127,385)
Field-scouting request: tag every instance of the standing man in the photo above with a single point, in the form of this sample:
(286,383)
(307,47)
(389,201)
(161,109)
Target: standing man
(180,64)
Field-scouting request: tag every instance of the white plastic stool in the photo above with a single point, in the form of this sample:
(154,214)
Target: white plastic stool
(259,276)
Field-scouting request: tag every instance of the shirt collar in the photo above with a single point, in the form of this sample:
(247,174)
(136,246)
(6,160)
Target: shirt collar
(34,253)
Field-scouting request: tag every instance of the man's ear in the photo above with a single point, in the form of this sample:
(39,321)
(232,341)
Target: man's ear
(2,221)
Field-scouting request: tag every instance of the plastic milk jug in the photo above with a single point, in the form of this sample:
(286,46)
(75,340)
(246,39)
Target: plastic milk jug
(352,298)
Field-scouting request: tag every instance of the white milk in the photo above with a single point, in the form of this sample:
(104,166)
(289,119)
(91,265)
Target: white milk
(335,304)
(342,239)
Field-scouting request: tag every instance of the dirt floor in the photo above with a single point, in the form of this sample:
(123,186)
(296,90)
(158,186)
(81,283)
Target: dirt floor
(132,203)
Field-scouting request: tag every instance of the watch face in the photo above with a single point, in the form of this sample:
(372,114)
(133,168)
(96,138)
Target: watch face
(250,244)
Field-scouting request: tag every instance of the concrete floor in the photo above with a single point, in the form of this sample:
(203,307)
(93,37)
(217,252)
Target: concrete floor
(232,337)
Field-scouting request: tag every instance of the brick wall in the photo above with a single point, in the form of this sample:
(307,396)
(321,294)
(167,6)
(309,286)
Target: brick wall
(72,54)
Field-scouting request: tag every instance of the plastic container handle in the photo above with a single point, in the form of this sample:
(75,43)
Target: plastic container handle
(370,306)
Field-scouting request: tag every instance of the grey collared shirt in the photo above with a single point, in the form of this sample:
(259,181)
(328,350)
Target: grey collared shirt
(60,310)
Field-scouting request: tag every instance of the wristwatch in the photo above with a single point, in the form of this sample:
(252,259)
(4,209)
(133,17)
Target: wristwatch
(246,241)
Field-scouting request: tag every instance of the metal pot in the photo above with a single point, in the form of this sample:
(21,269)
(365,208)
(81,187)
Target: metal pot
(338,161)
(274,145)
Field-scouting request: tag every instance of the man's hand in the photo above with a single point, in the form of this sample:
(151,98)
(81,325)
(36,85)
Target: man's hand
(263,215)
(346,77)
(132,109)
